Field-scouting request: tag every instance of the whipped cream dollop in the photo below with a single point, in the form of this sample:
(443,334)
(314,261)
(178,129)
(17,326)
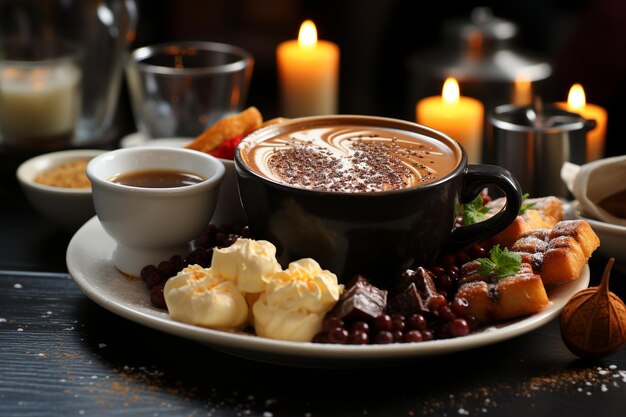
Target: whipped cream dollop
(198,296)
(294,303)
(249,263)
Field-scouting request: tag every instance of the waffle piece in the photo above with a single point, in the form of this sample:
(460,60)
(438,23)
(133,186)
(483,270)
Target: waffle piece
(545,213)
(581,231)
(514,296)
(558,255)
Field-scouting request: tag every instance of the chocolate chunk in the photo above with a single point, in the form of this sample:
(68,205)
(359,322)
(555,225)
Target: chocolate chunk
(412,292)
(407,302)
(360,301)
(422,278)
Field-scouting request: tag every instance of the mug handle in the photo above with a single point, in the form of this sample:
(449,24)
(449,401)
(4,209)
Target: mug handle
(476,178)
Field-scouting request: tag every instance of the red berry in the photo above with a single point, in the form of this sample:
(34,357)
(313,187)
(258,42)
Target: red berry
(437,270)
(397,322)
(146,271)
(157,298)
(445,313)
(459,327)
(435,302)
(384,337)
(383,322)
(417,322)
(358,337)
(338,335)
(360,326)
(427,335)
(413,336)
(459,306)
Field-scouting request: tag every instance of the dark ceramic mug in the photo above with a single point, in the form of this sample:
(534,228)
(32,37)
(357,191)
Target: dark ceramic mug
(377,234)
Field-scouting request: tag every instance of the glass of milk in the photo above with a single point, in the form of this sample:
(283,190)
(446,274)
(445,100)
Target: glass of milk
(40,92)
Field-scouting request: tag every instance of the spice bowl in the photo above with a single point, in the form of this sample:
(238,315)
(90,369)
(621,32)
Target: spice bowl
(66,206)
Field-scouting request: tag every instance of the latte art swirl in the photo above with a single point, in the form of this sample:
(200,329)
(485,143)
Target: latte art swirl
(351,159)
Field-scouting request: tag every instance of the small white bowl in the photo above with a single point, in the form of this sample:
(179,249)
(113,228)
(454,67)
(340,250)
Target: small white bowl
(69,208)
(152,224)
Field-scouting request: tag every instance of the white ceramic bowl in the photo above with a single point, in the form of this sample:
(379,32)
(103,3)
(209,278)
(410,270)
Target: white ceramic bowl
(612,239)
(228,211)
(152,224)
(593,182)
(69,208)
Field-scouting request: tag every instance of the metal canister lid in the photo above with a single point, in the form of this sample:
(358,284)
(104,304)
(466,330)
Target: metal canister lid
(483,27)
(480,48)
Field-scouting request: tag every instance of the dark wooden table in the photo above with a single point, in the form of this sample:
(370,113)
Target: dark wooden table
(63,355)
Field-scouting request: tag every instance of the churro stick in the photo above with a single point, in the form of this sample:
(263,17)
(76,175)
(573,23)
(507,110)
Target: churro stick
(274,121)
(239,124)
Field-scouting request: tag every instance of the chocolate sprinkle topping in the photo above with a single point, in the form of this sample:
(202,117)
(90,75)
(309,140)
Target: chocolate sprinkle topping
(370,166)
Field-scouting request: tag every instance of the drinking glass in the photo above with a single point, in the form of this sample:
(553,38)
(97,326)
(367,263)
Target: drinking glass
(180,89)
(103,28)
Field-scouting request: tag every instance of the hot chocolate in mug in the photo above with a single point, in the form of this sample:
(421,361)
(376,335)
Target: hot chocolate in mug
(364,195)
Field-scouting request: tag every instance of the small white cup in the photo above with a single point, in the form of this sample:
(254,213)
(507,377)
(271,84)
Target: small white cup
(150,225)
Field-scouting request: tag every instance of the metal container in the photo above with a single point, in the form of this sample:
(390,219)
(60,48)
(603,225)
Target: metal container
(533,145)
(480,52)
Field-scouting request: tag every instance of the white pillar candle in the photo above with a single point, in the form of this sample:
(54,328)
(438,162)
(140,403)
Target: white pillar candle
(596,137)
(38,102)
(308,72)
(459,117)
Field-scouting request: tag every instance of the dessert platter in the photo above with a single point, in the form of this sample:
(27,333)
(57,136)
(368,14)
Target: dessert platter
(89,263)
(517,263)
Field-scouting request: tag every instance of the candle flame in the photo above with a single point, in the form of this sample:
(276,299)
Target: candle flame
(450,91)
(576,99)
(307,37)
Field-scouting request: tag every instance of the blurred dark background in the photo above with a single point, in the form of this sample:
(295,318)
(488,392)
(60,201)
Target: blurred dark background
(583,40)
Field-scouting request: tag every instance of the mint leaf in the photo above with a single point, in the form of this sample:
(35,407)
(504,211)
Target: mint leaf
(475,211)
(525,206)
(501,263)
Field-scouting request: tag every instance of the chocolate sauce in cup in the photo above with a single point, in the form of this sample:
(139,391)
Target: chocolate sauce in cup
(362,194)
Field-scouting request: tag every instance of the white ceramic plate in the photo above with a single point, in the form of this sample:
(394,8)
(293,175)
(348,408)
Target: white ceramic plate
(89,263)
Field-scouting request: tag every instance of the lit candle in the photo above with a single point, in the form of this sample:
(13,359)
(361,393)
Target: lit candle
(459,117)
(522,91)
(308,71)
(577,103)
(38,104)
